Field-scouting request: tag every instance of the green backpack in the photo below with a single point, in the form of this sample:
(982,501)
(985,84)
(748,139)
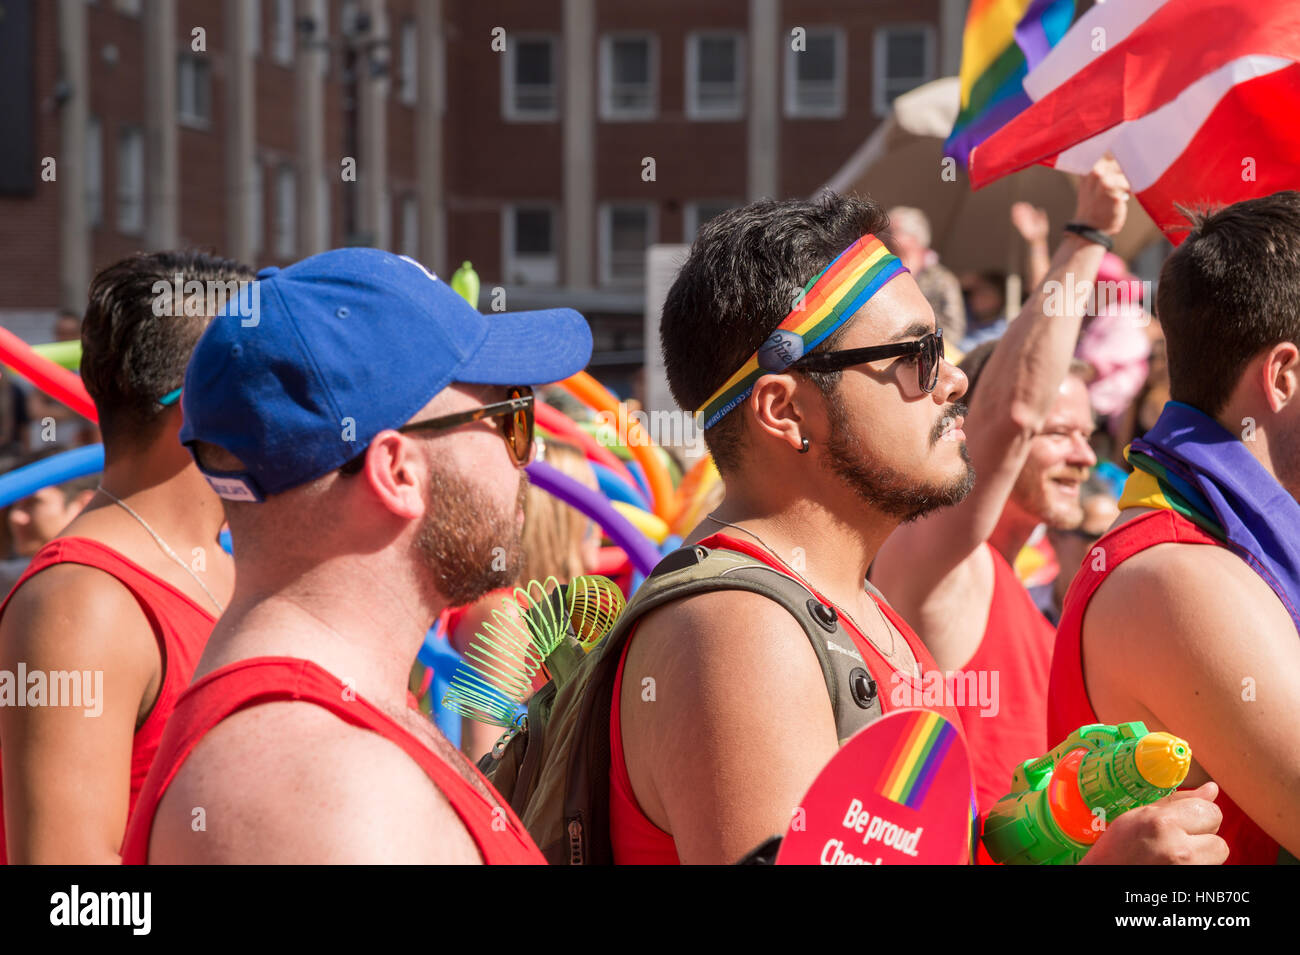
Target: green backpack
(553,768)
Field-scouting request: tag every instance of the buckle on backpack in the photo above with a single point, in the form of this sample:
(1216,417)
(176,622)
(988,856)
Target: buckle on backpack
(520,725)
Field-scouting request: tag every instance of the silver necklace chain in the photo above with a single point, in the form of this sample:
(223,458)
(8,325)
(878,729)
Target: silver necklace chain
(162,544)
(888,629)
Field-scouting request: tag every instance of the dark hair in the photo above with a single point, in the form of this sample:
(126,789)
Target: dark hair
(130,355)
(973,362)
(744,272)
(1230,291)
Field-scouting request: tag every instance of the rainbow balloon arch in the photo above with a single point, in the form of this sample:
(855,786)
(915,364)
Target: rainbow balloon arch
(640,508)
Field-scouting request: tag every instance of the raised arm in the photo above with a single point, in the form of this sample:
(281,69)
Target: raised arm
(67,769)
(1016,391)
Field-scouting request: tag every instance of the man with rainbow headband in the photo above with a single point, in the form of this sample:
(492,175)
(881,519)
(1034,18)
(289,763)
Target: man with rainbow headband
(812,358)
(1158,626)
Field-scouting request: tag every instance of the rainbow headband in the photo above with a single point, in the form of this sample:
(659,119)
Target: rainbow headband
(827,302)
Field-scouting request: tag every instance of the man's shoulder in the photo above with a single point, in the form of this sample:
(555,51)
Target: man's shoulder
(270,775)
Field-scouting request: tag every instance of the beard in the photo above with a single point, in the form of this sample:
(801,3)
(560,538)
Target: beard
(883,488)
(470,546)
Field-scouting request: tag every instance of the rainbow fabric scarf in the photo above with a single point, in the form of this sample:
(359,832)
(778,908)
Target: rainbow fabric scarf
(827,302)
(1190,464)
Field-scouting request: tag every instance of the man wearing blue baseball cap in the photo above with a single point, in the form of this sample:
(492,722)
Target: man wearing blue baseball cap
(366,429)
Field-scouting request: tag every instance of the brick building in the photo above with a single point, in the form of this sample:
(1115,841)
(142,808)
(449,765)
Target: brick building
(548,142)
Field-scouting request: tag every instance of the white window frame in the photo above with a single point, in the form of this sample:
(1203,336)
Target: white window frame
(537,269)
(509,110)
(608,111)
(187,114)
(879,60)
(130,181)
(283,32)
(606,230)
(835,111)
(94,172)
(408,64)
(285,227)
(694,109)
(691,215)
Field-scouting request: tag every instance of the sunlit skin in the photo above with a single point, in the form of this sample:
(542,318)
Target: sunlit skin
(356,595)
(720,792)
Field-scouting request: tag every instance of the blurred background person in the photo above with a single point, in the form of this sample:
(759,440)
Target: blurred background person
(37,519)
(985,295)
(1071,545)
(909,239)
(558,542)
(69,430)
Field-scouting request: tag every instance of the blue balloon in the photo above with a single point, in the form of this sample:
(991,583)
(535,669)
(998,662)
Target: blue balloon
(616,489)
(670,544)
(56,469)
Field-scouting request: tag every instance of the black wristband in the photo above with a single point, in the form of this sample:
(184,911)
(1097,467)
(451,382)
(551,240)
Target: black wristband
(1091,234)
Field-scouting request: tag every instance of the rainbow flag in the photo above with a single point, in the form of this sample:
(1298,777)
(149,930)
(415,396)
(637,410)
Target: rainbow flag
(916,758)
(1002,42)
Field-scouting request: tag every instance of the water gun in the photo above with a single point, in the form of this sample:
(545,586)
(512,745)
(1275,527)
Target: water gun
(1060,803)
(465,283)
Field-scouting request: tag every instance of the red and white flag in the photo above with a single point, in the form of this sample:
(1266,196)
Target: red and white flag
(1198,101)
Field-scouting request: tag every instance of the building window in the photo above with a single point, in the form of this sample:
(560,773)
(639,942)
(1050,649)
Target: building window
(715,71)
(407,86)
(194,97)
(625,234)
(282,32)
(814,76)
(130,180)
(410,219)
(903,60)
(627,77)
(528,84)
(530,246)
(129,7)
(286,212)
(254,27)
(698,213)
(94,174)
(256,217)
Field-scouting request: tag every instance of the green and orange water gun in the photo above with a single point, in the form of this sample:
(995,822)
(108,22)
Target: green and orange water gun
(1059,804)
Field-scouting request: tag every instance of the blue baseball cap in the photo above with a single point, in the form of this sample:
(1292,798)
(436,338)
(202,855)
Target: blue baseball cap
(298,372)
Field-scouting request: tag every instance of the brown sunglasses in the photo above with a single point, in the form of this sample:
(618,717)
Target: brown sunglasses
(517,430)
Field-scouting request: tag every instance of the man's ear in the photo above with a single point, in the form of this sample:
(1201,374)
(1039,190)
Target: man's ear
(396,474)
(777,413)
(1281,373)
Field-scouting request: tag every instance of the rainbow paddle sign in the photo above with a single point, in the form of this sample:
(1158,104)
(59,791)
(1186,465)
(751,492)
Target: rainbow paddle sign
(898,792)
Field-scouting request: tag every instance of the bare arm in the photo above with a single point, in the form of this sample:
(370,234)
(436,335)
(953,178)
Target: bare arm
(290,783)
(1229,681)
(1017,389)
(735,727)
(67,769)
(1033,226)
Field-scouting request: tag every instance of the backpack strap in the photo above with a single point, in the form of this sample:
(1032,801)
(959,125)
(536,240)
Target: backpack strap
(854,696)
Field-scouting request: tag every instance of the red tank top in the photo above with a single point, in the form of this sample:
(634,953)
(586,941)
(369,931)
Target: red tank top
(1016,650)
(638,841)
(180,626)
(270,679)
(1068,705)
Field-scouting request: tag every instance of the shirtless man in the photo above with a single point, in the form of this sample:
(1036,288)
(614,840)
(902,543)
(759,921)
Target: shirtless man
(820,466)
(128,592)
(1200,639)
(366,435)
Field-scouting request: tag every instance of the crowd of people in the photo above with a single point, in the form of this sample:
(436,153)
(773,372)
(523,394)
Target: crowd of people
(1022,500)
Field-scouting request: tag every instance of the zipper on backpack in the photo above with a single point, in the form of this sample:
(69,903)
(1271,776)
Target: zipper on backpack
(575,841)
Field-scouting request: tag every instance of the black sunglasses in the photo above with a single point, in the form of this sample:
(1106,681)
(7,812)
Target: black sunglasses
(929,349)
(517,431)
